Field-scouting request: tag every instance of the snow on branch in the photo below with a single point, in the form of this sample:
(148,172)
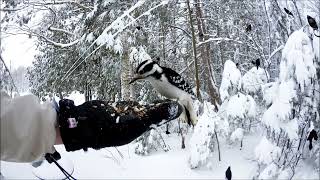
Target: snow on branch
(111,26)
(106,32)
(297,60)
(118,21)
(219,40)
(60,30)
(274,53)
(241,106)
(253,80)
(231,78)
(62,45)
(266,152)
(45,3)
(202,142)
(143,14)
(114,23)
(28,31)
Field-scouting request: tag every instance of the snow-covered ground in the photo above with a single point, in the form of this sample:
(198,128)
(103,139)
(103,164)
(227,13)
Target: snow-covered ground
(161,165)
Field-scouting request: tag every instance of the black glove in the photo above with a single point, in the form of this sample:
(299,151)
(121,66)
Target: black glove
(98,124)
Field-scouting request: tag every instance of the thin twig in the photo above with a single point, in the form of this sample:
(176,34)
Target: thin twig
(14,85)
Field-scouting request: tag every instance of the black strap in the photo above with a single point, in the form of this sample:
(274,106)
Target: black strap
(56,156)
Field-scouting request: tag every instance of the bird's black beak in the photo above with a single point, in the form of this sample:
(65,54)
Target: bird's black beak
(137,77)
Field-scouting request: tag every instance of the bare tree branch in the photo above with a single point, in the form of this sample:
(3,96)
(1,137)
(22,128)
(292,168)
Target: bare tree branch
(57,43)
(46,4)
(186,32)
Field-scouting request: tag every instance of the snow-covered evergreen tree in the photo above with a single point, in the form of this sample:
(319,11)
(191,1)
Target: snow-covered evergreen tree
(293,109)
(231,79)
(239,108)
(204,139)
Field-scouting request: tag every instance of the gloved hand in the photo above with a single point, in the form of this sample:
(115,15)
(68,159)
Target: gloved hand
(98,124)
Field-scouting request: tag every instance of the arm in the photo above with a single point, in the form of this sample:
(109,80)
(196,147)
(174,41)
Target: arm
(27,128)
(98,124)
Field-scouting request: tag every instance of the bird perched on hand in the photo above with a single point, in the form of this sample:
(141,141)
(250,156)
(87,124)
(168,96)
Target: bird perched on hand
(169,84)
(228,174)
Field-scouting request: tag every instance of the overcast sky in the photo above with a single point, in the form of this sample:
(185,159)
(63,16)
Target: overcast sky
(18,50)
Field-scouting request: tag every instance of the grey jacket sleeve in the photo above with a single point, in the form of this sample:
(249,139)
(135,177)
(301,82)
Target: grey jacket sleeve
(27,128)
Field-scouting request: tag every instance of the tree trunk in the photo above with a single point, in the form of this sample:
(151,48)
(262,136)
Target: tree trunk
(206,55)
(132,90)
(125,74)
(215,133)
(194,52)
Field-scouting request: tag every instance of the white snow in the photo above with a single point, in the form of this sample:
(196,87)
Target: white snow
(201,140)
(106,39)
(285,174)
(108,164)
(266,152)
(316,46)
(269,92)
(271,119)
(297,59)
(291,129)
(241,106)
(252,80)
(269,172)
(118,24)
(77,97)
(108,2)
(237,135)
(230,79)
(281,108)
(118,46)
(90,37)
(51,171)
(138,55)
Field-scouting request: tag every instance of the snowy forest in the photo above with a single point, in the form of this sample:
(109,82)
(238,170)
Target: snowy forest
(253,65)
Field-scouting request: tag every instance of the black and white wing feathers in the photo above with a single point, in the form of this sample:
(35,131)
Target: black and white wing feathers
(175,79)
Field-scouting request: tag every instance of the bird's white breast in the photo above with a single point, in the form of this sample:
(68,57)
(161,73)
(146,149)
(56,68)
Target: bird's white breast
(168,90)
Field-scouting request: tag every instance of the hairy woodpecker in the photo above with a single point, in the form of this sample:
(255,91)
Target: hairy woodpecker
(169,84)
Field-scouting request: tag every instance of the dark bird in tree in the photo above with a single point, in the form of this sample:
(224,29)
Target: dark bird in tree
(312,135)
(228,174)
(138,27)
(256,63)
(312,22)
(248,28)
(288,12)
